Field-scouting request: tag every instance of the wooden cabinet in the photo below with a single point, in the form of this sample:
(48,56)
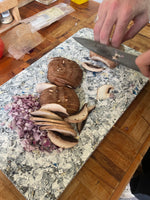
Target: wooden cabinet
(12,6)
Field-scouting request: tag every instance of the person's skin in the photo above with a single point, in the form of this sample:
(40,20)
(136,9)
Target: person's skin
(118,14)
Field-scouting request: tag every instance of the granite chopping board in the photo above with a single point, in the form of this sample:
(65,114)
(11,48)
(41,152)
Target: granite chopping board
(44,176)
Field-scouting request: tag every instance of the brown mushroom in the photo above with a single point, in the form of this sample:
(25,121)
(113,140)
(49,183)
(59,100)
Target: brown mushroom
(62,129)
(106,61)
(79,117)
(45,114)
(91,67)
(62,141)
(40,119)
(80,125)
(63,96)
(64,72)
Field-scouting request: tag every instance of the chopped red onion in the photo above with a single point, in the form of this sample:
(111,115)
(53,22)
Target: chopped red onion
(30,135)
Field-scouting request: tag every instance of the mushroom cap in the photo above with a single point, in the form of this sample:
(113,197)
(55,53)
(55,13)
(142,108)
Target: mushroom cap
(63,96)
(64,72)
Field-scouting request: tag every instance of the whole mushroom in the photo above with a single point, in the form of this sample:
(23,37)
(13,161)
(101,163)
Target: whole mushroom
(64,96)
(64,72)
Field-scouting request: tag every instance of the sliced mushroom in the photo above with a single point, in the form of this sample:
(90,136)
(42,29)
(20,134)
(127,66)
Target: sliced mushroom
(106,61)
(103,92)
(45,114)
(40,119)
(91,67)
(62,141)
(79,117)
(62,129)
(44,124)
(42,86)
(80,125)
(55,108)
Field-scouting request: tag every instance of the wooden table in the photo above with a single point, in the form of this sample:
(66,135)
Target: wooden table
(109,169)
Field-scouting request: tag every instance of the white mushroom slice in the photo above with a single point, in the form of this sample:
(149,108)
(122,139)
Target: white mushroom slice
(103,92)
(62,141)
(54,107)
(42,86)
(62,129)
(106,61)
(79,117)
(91,67)
(45,114)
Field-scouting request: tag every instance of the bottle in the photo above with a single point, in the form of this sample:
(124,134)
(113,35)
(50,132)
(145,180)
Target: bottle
(6,17)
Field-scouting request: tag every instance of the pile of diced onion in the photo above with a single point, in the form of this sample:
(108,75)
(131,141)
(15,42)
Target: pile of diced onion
(30,135)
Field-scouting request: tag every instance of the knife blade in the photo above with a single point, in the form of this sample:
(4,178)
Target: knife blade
(116,55)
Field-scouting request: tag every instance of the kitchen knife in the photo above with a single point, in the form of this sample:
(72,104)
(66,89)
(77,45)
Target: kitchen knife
(116,55)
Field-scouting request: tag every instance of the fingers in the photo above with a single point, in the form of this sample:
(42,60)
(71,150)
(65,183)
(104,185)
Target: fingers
(120,30)
(106,19)
(139,23)
(120,13)
(143,62)
(99,23)
(110,14)
(107,29)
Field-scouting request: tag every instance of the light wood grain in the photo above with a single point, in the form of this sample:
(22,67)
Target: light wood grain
(112,164)
(23,2)
(6,5)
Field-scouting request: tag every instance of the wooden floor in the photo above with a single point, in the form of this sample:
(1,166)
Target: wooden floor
(109,169)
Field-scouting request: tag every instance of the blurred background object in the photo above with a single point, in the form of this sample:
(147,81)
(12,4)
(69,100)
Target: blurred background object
(46,2)
(9,13)
(20,40)
(1,48)
(6,17)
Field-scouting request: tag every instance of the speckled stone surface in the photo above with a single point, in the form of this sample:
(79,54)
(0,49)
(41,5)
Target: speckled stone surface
(44,176)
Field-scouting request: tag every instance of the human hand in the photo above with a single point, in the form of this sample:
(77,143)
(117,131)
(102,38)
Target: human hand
(120,13)
(143,62)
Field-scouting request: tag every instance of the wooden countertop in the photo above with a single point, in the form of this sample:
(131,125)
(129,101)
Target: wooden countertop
(109,169)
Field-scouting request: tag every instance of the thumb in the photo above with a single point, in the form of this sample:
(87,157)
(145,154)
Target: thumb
(143,62)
